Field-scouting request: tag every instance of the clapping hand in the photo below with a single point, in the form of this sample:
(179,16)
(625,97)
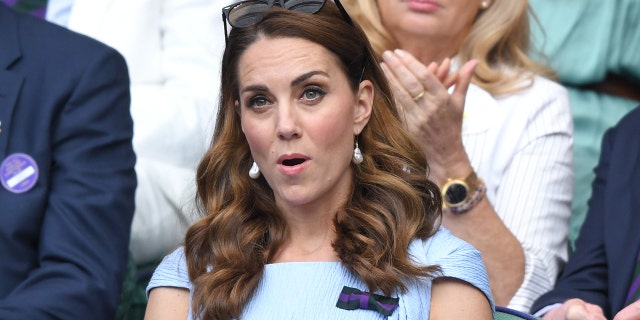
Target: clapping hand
(432,114)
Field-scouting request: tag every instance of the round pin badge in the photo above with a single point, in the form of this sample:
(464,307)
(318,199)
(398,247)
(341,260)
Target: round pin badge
(18,172)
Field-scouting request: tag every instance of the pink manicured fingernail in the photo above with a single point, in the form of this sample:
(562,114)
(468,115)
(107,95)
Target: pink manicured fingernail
(401,53)
(386,55)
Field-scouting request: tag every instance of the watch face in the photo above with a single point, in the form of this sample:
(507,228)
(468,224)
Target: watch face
(456,193)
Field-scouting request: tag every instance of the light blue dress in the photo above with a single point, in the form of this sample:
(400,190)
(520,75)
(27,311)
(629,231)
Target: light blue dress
(310,290)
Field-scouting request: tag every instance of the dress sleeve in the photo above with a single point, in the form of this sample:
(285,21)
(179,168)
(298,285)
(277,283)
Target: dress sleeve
(456,259)
(171,272)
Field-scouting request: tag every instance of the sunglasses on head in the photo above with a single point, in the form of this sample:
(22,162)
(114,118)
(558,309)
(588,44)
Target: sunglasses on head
(249,12)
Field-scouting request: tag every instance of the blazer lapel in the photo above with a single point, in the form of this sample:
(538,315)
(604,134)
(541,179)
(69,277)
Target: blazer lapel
(10,83)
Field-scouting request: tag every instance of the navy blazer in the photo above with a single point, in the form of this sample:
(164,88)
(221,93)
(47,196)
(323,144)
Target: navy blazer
(601,268)
(64,101)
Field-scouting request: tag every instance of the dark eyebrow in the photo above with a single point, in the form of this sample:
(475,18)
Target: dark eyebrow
(257,88)
(306,76)
(295,82)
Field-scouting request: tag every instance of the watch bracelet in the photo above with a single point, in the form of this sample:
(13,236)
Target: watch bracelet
(475,199)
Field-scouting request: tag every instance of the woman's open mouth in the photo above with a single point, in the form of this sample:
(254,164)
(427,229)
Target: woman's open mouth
(292,164)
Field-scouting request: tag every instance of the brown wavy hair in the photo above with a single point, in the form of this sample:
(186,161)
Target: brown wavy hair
(499,39)
(391,202)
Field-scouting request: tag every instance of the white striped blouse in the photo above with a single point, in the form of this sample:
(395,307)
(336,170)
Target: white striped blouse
(521,145)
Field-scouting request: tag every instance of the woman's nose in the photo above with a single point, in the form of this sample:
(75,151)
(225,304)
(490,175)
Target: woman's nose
(288,125)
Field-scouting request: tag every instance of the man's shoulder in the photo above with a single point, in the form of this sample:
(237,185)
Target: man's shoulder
(630,122)
(621,140)
(39,37)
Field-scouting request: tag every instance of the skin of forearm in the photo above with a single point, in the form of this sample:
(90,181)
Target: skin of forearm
(501,251)
(481,226)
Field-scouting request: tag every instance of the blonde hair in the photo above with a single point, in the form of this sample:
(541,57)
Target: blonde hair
(499,40)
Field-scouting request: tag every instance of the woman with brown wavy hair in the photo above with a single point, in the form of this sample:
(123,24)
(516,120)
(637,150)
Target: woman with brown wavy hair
(502,151)
(316,199)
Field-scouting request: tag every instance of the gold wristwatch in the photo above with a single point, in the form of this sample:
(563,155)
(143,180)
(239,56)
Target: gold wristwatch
(459,192)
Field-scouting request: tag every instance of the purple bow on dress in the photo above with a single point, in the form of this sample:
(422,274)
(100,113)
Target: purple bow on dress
(352,299)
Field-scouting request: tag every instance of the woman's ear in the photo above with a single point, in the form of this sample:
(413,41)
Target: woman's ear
(364,105)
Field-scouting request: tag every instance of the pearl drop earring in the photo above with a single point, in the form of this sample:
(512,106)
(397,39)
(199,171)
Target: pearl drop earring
(357,155)
(254,172)
(485,4)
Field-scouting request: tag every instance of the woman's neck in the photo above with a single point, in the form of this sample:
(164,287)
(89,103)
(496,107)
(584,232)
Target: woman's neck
(309,238)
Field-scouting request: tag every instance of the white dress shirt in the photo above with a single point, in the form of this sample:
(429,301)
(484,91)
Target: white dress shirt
(173,49)
(521,146)
(58,11)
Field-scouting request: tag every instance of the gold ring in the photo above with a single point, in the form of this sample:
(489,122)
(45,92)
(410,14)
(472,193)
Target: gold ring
(417,97)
